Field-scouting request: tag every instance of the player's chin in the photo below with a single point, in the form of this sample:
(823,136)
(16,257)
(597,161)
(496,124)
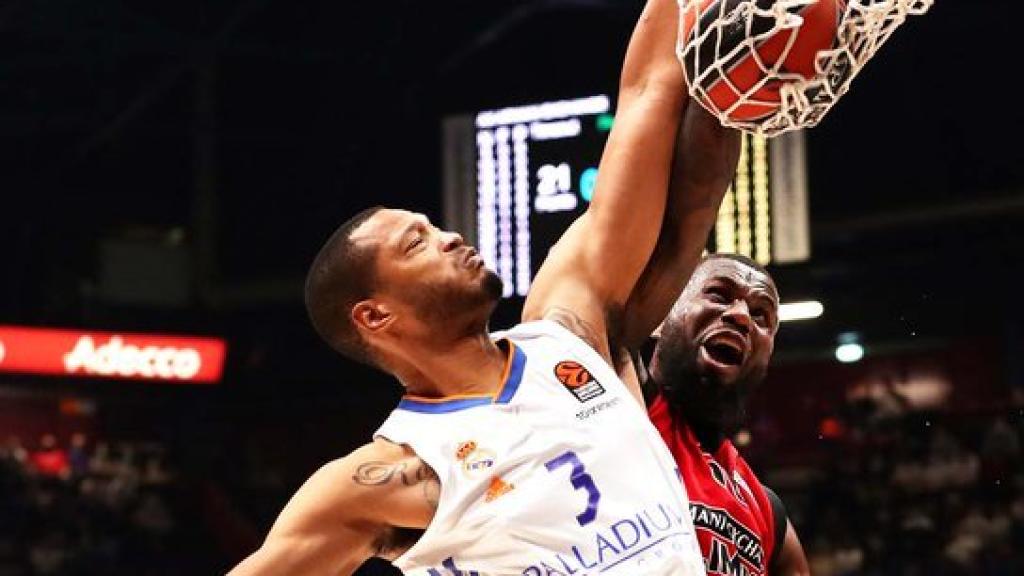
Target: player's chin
(492,285)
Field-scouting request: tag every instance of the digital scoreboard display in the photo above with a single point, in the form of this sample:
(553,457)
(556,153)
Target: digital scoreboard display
(517,177)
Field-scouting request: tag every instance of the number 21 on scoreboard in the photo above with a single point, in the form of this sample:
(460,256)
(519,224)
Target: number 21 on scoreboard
(554,189)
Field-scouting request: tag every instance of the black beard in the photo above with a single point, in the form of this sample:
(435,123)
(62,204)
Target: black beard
(493,286)
(454,307)
(715,410)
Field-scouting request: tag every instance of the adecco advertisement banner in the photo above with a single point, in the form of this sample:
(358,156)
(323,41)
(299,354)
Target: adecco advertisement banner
(176,359)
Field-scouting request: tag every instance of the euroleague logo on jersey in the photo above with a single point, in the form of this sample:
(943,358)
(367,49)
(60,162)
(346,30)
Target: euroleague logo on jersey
(578,380)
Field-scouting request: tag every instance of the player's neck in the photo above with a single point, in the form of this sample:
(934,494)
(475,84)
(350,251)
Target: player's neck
(709,434)
(705,417)
(468,365)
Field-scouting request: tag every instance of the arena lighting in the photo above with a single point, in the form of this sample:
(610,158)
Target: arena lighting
(849,349)
(793,311)
(544,112)
(515,178)
(92,354)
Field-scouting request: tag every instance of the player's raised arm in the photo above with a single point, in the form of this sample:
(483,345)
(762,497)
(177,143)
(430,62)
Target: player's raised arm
(346,513)
(589,274)
(705,162)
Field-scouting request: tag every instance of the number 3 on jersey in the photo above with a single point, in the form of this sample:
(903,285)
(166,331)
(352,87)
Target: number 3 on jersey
(580,481)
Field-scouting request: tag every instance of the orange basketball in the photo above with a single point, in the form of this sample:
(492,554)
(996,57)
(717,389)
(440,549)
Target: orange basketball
(571,374)
(726,77)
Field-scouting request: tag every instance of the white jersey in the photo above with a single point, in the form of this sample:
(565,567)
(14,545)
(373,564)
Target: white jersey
(559,473)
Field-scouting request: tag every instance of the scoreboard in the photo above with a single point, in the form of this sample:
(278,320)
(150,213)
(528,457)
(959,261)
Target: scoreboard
(517,177)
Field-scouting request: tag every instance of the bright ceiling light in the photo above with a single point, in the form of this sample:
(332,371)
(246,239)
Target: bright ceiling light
(800,311)
(849,353)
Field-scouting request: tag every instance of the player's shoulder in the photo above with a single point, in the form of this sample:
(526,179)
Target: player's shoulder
(357,478)
(383,450)
(559,324)
(373,463)
(379,450)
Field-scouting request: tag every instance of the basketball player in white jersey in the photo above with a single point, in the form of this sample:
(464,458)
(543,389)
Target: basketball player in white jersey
(519,452)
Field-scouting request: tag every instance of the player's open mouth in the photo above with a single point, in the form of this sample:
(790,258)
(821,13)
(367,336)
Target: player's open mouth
(725,349)
(725,354)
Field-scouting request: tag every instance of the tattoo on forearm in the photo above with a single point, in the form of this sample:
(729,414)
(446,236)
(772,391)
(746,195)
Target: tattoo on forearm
(577,326)
(377,473)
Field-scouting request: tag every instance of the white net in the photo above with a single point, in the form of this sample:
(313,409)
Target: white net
(724,32)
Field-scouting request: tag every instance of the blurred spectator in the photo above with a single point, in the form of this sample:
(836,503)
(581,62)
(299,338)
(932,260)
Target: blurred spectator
(940,496)
(890,403)
(896,495)
(1000,449)
(100,463)
(107,517)
(49,554)
(154,473)
(13,451)
(49,459)
(152,515)
(78,457)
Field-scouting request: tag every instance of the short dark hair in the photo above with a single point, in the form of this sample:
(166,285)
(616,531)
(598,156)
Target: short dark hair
(738,258)
(342,274)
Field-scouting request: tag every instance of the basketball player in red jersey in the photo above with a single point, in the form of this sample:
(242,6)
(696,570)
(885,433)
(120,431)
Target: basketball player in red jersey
(714,347)
(713,350)
(391,289)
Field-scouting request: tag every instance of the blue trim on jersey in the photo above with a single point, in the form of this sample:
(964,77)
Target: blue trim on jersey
(515,376)
(443,406)
(508,391)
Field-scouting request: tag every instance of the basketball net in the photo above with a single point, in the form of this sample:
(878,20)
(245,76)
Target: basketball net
(865,26)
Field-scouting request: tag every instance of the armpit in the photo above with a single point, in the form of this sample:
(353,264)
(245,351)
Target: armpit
(586,331)
(393,542)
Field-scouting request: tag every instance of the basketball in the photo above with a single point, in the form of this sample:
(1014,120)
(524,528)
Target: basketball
(572,374)
(736,60)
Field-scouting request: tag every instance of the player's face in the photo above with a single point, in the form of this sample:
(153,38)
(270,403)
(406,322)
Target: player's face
(722,330)
(429,271)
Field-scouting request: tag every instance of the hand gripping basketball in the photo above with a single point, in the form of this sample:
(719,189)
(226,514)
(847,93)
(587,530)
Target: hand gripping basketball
(770,66)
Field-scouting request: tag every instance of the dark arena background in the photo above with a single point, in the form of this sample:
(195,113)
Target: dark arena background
(171,169)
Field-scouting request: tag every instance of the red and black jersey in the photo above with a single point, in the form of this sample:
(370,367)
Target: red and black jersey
(731,510)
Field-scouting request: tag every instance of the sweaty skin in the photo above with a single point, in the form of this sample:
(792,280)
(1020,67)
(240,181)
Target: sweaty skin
(426,322)
(714,349)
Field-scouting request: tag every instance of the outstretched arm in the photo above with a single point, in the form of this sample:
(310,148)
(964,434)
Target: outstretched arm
(589,275)
(345,513)
(705,162)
